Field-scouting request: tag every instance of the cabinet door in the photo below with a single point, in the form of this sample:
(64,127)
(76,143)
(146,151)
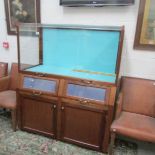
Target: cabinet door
(38,115)
(82,125)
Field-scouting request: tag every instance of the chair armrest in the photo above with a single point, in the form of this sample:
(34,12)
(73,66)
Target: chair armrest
(4,83)
(119,104)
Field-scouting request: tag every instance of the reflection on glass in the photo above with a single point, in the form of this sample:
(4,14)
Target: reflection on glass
(39,84)
(93,93)
(148,26)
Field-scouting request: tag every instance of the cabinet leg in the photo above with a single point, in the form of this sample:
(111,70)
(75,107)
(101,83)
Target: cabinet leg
(14,119)
(112,142)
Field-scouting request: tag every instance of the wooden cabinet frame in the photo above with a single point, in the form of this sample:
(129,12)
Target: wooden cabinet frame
(38,91)
(96,108)
(92,84)
(103,109)
(45,101)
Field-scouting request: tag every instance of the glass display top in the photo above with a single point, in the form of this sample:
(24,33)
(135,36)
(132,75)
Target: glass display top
(83,53)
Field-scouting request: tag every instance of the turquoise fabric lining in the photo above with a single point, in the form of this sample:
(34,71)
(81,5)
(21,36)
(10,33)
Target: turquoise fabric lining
(91,50)
(71,73)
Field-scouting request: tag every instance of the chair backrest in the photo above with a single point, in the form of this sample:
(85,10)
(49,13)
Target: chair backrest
(3,69)
(138,96)
(13,76)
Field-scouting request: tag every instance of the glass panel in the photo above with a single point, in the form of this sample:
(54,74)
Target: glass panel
(76,51)
(39,84)
(86,92)
(29,46)
(148,26)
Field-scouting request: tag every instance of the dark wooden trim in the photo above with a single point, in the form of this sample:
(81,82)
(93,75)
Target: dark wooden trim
(85,145)
(49,101)
(119,54)
(95,85)
(43,78)
(137,44)
(106,140)
(112,142)
(67,77)
(40,46)
(7,18)
(18,48)
(32,130)
(73,141)
(92,104)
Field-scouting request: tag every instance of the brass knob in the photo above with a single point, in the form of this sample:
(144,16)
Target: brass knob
(85,101)
(62,108)
(36,93)
(87,82)
(54,106)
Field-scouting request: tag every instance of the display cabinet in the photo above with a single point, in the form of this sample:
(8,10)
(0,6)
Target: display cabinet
(69,76)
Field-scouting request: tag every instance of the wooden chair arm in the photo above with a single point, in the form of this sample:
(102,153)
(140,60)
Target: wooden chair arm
(4,83)
(119,103)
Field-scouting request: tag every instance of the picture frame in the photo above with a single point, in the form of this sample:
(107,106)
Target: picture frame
(145,30)
(21,11)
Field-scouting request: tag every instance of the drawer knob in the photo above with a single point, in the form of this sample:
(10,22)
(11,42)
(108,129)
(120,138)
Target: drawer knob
(54,106)
(86,82)
(36,94)
(40,74)
(62,108)
(85,101)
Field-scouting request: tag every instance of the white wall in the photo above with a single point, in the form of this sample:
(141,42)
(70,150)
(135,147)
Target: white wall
(136,63)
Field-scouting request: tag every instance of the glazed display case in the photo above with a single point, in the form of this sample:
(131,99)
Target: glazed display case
(69,76)
(71,51)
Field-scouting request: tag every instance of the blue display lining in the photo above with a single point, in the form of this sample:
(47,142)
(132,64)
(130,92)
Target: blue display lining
(67,49)
(93,50)
(71,73)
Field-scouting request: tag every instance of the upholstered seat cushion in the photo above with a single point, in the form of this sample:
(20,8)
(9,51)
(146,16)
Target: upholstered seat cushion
(136,126)
(8,99)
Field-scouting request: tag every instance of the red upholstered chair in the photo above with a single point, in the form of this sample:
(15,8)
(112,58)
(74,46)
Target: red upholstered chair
(3,69)
(135,115)
(8,87)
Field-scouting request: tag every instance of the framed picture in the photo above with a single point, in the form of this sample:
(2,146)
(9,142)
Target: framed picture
(145,31)
(21,11)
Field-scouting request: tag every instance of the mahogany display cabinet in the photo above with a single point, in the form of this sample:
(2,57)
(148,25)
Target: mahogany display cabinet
(69,76)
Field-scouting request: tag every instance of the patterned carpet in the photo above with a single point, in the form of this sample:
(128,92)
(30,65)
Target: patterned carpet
(23,143)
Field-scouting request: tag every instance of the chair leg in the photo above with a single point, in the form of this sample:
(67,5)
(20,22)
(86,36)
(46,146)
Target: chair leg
(112,142)
(14,119)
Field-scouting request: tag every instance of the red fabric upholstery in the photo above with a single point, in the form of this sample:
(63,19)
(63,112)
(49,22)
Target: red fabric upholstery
(137,126)
(3,69)
(8,99)
(4,83)
(8,87)
(14,77)
(138,96)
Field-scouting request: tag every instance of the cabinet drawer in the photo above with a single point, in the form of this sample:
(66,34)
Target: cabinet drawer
(34,83)
(88,92)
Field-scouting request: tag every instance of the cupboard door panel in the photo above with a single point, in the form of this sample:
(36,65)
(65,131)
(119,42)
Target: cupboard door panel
(38,116)
(82,126)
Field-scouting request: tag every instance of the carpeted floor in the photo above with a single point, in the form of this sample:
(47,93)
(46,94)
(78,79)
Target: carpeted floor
(23,143)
